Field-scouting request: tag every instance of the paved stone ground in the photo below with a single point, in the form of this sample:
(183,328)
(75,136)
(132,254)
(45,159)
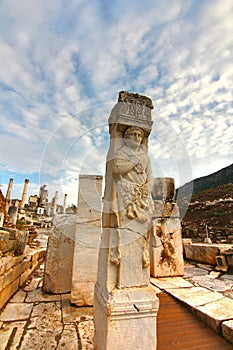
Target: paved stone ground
(205,276)
(33,320)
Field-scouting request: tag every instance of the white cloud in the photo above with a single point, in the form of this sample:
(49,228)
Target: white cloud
(61,60)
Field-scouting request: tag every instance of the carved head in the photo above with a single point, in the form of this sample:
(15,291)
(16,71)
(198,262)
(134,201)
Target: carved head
(133,137)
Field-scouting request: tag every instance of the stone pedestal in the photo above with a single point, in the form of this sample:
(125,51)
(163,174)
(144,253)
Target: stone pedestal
(125,307)
(59,256)
(125,318)
(87,239)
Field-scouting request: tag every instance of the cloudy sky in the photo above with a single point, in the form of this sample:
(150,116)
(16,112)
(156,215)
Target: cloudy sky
(63,62)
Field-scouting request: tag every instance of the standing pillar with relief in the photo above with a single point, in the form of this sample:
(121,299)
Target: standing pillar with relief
(125,306)
(166,249)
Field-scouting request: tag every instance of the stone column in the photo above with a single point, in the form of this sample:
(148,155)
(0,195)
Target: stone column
(8,194)
(87,239)
(9,189)
(24,195)
(55,200)
(125,306)
(64,204)
(13,212)
(166,249)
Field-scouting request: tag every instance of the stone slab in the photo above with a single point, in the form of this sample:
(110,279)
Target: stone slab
(39,296)
(16,312)
(195,296)
(170,282)
(190,271)
(216,285)
(40,340)
(69,338)
(72,313)
(227,330)
(19,297)
(46,317)
(13,330)
(216,312)
(204,253)
(86,333)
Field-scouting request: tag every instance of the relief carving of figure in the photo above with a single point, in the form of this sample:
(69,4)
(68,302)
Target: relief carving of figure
(133,176)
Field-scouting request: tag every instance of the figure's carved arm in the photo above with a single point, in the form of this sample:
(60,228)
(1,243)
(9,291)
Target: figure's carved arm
(122,166)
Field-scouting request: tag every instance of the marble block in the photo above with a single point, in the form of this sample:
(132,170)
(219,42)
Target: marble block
(59,257)
(87,240)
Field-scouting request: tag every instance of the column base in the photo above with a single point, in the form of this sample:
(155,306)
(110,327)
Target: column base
(125,318)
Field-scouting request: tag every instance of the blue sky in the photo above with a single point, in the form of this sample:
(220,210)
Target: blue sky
(63,63)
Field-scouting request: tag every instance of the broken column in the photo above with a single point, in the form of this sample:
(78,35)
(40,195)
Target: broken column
(87,239)
(24,194)
(64,204)
(125,306)
(55,200)
(13,212)
(166,250)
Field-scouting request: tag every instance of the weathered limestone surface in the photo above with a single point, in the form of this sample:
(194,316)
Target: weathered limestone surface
(205,253)
(166,251)
(196,296)
(170,283)
(227,330)
(15,270)
(87,239)
(125,306)
(217,312)
(59,257)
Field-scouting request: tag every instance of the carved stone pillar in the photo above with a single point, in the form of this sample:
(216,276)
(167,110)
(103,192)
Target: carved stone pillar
(166,250)
(125,306)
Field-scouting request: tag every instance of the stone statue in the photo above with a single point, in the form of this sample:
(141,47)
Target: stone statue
(125,306)
(133,176)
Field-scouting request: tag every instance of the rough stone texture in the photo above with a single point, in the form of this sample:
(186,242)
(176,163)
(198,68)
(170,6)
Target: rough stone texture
(216,312)
(87,240)
(171,282)
(227,330)
(166,251)
(86,333)
(125,307)
(69,338)
(19,297)
(38,295)
(16,311)
(12,330)
(59,258)
(216,285)
(14,271)
(204,253)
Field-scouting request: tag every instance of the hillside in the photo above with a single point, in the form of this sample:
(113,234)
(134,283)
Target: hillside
(221,177)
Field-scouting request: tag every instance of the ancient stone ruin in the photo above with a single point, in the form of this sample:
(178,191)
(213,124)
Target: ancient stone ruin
(125,306)
(166,253)
(87,239)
